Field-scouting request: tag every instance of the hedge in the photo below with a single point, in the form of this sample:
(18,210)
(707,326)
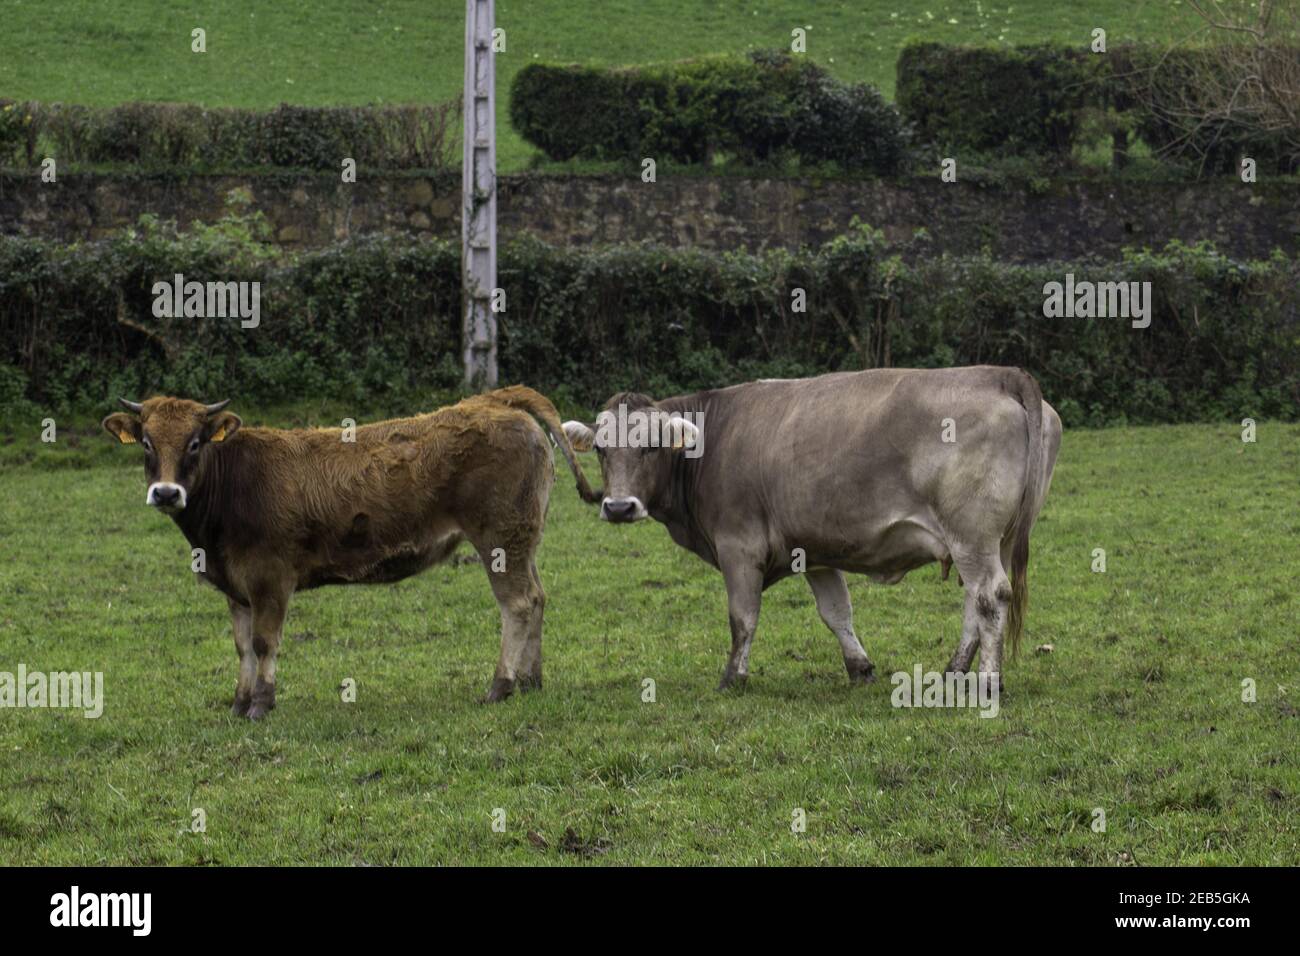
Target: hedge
(1020,100)
(756,109)
(178,134)
(1035,100)
(1160,87)
(375,321)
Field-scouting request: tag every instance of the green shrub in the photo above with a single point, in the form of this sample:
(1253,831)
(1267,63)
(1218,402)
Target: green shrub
(751,109)
(1043,100)
(15,119)
(1167,92)
(376,321)
(1020,100)
(829,121)
(543,110)
(169,135)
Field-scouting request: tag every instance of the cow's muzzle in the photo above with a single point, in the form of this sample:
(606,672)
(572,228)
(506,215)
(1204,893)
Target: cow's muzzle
(622,510)
(165,496)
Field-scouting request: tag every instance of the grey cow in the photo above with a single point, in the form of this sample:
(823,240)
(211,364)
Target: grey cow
(876,472)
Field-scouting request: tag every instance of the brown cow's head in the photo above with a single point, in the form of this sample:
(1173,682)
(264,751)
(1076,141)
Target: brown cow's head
(635,442)
(174,434)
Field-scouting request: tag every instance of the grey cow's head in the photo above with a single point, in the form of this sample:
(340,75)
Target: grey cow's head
(636,442)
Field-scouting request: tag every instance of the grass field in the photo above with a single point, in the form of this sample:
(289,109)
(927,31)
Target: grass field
(1137,711)
(328,52)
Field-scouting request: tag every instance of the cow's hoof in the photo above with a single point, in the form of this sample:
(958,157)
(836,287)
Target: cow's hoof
(263,701)
(531,682)
(500,690)
(240,707)
(995,687)
(862,674)
(732,681)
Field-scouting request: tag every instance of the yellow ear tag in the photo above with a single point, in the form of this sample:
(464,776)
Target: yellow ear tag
(219,434)
(126,438)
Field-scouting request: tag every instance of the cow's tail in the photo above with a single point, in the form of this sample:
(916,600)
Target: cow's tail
(1026,390)
(540,407)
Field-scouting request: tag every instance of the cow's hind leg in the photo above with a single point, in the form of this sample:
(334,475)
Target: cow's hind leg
(988,594)
(519,595)
(836,609)
(744,598)
(530,666)
(970,637)
(241,618)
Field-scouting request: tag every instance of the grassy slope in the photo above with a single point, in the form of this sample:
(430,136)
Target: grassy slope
(1137,710)
(339,52)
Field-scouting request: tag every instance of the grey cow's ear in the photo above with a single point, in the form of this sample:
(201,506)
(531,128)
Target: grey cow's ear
(580,436)
(682,434)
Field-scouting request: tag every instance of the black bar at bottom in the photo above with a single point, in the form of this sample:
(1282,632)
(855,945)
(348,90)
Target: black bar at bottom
(334,906)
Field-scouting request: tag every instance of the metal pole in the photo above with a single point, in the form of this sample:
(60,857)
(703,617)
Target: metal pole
(479,189)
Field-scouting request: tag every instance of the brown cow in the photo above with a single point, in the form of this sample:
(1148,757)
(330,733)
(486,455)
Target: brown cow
(282,511)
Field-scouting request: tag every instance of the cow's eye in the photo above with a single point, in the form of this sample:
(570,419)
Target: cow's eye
(148,445)
(194,444)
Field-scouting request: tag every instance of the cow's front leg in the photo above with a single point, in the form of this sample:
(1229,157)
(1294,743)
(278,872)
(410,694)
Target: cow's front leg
(241,618)
(269,608)
(836,609)
(744,597)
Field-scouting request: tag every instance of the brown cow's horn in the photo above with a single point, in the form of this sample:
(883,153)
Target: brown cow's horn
(213,409)
(130,406)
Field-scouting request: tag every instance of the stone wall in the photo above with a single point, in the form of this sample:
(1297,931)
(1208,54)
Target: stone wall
(1069,219)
